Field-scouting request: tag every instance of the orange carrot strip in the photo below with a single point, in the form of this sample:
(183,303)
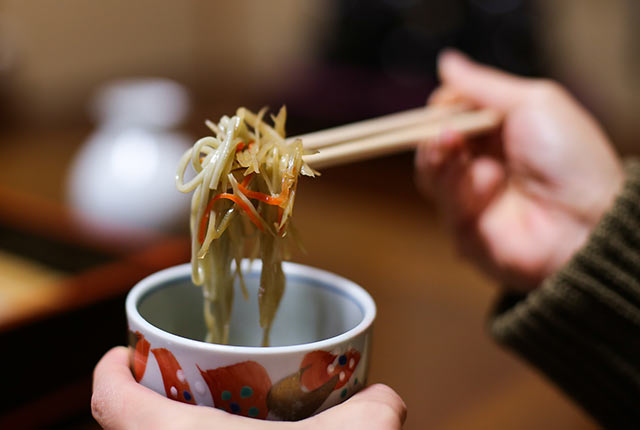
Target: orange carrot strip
(246,180)
(237,200)
(241,146)
(270,200)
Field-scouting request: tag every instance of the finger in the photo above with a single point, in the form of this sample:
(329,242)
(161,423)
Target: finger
(434,157)
(463,183)
(375,407)
(481,84)
(473,187)
(445,95)
(116,395)
(380,395)
(119,402)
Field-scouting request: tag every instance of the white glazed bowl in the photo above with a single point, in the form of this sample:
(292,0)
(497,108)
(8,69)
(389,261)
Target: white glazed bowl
(321,338)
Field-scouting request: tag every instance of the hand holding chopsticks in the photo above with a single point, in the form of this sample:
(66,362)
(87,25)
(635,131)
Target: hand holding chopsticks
(393,133)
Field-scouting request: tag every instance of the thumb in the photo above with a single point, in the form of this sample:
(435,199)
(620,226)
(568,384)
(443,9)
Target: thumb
(483,85)
(377,407)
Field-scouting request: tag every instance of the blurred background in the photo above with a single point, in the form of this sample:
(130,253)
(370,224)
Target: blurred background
(99,99)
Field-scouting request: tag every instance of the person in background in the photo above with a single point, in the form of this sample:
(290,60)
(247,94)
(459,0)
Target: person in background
(547,208)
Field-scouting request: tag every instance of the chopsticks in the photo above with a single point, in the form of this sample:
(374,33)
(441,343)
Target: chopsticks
(393,133)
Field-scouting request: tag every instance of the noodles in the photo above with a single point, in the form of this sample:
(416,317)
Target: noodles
(243,191)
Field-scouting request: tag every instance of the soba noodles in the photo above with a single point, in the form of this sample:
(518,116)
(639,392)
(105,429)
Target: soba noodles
(243,193)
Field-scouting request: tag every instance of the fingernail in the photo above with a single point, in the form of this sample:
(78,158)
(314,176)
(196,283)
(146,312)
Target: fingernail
(451,57)
(452,54)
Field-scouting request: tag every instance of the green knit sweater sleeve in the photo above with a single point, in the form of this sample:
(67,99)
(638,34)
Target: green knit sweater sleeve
(581,327)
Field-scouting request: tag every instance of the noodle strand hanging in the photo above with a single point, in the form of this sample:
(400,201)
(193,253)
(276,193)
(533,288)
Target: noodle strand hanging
(244,189)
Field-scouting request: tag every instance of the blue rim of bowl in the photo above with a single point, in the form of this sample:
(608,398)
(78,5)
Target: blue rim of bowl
(320,278)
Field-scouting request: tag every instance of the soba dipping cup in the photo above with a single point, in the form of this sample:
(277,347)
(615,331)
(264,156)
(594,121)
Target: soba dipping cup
(319,353)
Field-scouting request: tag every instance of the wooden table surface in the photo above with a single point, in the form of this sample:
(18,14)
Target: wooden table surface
(367,223)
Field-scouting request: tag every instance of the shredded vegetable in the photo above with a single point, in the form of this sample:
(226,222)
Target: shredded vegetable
(244,189)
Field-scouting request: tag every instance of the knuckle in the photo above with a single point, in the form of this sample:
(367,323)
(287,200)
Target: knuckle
(390,407)
(383,391)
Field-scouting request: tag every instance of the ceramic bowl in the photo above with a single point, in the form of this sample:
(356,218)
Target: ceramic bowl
(320,339)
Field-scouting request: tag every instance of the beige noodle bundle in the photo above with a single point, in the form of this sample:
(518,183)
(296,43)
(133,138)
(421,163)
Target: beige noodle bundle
(243,189)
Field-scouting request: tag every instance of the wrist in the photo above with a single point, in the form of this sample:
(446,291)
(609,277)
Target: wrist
(577,236)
